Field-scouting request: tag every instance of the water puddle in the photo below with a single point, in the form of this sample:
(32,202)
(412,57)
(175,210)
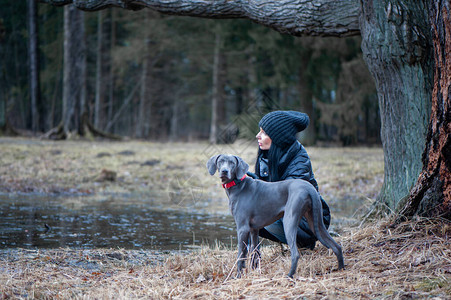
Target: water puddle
(49,222)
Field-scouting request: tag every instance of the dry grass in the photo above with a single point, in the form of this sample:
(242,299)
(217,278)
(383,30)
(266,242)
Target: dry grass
(410,261)
(76,167)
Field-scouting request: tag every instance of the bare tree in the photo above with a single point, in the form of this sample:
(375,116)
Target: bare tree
(217,97)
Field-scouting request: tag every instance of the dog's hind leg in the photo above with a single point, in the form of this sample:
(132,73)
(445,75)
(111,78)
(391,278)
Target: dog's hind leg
(254,251)
(290,222)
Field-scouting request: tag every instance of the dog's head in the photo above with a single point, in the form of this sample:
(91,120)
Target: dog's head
(229,167)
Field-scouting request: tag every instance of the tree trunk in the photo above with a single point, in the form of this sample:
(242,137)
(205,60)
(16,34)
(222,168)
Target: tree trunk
(222,75)
(431,195)
(68,70)
(33,54)
(74,77)
(3,94)
(111,69)
(306,104)
(215,89)
(144,113)
(98,103)
(396,48)
(173,131)
(82,65)
(144,94)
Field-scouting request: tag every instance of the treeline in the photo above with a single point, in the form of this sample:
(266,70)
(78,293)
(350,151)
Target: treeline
(146,75)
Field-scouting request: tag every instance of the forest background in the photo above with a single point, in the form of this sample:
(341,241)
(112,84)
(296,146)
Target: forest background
(168,78)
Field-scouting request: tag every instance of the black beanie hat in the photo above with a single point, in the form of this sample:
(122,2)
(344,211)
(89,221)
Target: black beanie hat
(282,126)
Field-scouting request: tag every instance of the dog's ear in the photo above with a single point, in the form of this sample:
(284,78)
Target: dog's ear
(241,168)
(211,164)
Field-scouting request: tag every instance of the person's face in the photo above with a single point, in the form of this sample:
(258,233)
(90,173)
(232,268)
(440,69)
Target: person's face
(264,141)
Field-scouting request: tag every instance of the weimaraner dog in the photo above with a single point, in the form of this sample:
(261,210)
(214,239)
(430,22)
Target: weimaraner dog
(255,203)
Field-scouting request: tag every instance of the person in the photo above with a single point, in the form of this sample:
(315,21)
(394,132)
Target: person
(280,157)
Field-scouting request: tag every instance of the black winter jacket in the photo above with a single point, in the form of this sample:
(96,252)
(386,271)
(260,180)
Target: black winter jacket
(294,164)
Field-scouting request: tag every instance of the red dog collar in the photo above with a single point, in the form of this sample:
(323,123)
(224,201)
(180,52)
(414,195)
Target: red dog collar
(233,183)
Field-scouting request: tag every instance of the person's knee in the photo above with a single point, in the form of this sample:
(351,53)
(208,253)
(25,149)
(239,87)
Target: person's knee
(274,232)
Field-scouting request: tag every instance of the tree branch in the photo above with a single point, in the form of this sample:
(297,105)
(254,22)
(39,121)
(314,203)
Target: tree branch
(294,17)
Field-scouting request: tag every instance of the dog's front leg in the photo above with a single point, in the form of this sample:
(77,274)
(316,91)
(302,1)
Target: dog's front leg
(243,237)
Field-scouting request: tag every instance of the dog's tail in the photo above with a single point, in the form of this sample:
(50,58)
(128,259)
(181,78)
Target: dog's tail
(321,233)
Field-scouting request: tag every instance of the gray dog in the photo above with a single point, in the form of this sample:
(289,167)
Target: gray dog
(256,203)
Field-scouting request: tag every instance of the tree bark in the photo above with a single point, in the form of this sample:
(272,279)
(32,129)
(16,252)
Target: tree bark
(295,17)
(431,195)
